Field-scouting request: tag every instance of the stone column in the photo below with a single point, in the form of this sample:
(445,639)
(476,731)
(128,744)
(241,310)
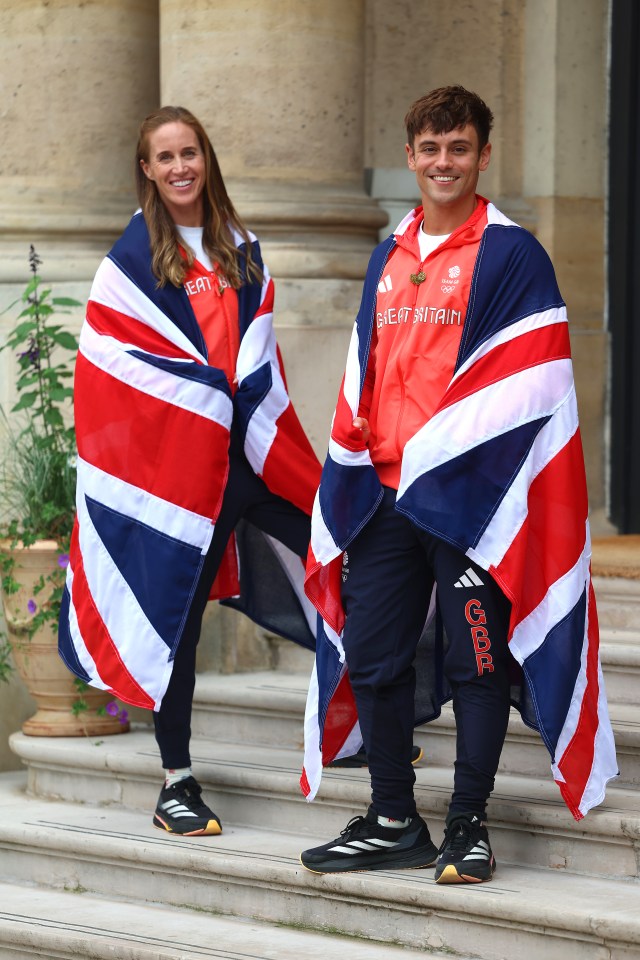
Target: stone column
(279,86)
(564,156)
(76,79)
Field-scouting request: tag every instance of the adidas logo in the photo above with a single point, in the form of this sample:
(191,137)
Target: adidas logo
(385,285)
(469,579)
(177,809)
(370,845)
(479,852)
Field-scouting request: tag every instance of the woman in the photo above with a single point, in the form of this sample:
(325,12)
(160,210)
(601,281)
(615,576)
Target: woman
(184,429)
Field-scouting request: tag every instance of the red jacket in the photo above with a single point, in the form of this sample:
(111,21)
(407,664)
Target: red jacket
(215,304)
(417,336)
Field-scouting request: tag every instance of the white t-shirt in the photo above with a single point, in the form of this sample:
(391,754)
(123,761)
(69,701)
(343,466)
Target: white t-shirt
(192,236)
(427,243)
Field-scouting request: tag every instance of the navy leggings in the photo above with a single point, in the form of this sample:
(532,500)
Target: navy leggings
(245,496)
(388,575)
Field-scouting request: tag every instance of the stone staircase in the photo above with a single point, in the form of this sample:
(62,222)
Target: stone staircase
(83,873)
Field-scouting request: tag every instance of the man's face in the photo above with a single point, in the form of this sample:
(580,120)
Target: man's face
(447,166)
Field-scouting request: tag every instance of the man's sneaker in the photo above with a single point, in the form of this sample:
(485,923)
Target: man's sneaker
(359,759)
(180,810)
(465,856)
(366,845)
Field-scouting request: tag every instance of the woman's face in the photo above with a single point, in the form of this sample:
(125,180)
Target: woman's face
(177,167)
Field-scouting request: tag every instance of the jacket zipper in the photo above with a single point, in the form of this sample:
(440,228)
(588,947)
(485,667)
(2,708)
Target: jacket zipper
(399,376)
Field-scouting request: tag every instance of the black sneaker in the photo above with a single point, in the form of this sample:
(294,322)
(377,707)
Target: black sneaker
(366,845)
(465,856)
(180,810)
(359,759)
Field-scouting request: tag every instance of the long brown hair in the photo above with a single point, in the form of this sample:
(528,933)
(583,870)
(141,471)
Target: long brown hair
(220,216)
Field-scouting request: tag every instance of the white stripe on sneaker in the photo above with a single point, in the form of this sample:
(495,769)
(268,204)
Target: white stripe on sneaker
(177,809)
(479,852)
(370,846)
(373,842)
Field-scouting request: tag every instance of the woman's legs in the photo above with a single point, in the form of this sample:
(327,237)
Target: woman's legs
(246,495)
(173,720)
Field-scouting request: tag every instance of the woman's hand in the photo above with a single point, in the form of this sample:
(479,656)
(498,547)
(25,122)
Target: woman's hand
(360,423)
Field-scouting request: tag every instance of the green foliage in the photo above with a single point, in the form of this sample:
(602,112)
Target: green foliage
(38,474)
(38,467)
(6,667)
(79,705)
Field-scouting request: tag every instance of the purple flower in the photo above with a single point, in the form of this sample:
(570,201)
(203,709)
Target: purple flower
(123,717)
(32,355)
(32,606)
(112,708)
(34,259)
(63,560)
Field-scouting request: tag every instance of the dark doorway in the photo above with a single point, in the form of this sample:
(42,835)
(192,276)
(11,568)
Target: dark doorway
(624,265)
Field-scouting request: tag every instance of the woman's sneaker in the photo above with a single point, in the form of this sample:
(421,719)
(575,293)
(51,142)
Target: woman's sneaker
(465,855)
(180,810)
(365,844)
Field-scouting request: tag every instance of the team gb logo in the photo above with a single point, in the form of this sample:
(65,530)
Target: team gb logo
(448,286)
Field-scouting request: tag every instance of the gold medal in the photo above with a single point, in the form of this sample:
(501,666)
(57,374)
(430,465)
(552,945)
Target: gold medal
(417,278)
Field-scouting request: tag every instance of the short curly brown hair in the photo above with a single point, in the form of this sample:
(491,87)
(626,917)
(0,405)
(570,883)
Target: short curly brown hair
(448,108)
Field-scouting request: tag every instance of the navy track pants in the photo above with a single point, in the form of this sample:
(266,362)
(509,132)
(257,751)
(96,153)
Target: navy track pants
(389,571)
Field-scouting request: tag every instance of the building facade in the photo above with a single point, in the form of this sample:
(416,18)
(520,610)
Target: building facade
(304,101)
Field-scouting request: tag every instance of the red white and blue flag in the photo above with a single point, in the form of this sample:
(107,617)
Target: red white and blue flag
(497,471)
(152,425)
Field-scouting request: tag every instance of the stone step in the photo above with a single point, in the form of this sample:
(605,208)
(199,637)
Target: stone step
(524,753)
(73,923)
(264,707)
(618,600)
(620,657)
(258,784)
(255,873)
(268,708)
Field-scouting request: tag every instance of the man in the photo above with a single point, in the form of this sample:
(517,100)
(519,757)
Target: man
(455,460)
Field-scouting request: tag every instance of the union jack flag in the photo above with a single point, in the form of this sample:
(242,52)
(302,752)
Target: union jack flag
(497,471)
(152,425)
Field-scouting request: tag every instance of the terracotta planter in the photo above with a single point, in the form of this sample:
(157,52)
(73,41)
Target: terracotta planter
(36,657)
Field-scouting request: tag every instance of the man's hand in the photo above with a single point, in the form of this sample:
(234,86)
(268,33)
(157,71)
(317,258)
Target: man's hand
(361,424)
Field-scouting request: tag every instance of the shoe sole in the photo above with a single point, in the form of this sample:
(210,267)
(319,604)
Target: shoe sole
(450,874)
(349,763)
(212,829)
(417,862)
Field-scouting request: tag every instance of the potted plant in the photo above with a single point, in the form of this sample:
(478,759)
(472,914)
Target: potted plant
(37,509)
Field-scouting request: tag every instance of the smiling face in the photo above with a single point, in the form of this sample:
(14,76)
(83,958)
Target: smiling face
(176,165)
(447,167)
